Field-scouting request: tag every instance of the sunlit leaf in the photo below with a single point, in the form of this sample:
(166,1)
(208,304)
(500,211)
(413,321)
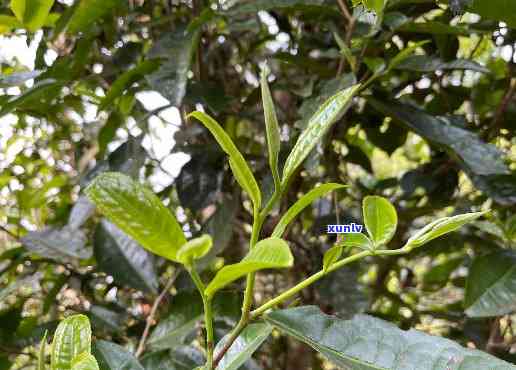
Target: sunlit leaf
(85,361)
(194,249)
(71,338)
(380,219)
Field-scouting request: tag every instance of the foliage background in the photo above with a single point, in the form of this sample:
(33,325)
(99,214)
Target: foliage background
(433,132)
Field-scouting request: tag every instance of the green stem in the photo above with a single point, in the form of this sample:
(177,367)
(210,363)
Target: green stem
(208,317)
(318,275)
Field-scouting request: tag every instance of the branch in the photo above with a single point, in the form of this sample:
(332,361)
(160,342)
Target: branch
(150,318)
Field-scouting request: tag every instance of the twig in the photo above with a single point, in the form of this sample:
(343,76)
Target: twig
(9,232)
(150,318)
(497,120)
(344,8)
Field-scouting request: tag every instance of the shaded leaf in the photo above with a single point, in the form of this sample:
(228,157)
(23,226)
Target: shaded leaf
(424,63)
(40,91)
(137,211)
(243,347)
(111,356)
(366,342)
(72,337)
(180,358)
(301,204)
(500,10)
(123,258)
(64,245)
(88,12)
(266,254)
(81,211)
(491,285)
(106,320)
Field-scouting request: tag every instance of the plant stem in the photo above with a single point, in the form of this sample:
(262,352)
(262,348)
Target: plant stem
(208,317)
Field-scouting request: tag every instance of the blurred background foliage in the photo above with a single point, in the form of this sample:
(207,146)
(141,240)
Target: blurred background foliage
(107,87)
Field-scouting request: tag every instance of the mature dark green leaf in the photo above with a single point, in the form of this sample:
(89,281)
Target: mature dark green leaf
(32,13)
(243,347)
(180,358)
(500,10)
(491,285)
(366,342)
(255,6)
(185,312)
(482,158)
(127,79)
(137,211)
(239,166)
(425,63)
(318,125)
(106,320)
(87,12)
(301,204)
(380,218)
(72,337)
(176,48)
(64,245)
(123,258)
(111,356)
(81,211)
(271,253)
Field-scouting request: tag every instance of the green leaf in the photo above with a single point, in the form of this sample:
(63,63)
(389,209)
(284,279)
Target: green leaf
(125,80)
(272,127)
(88,12)
(301,204)
(120,256)
(366,342)
(32,13)
(81,211)
(64,245)
(239,166)
(9,23)
(176,49)
(404,54)
(42,352)
(85,361)
(356,240)
(500,10)
(425,63)
(17,78)
(40,91)
(243,347)
(318,125)
(266,254)
(440,227)
(111,356)
(331,256)
(491,285)
(138,212)
(72,337)
(380,219)
(194,249)
(184,314)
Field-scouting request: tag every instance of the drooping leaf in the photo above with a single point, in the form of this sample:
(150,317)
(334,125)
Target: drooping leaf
(243,347)
(440,227)
(111,356)
(138,212)
(85,361)
(425,63)
(239,166)
(125,80)
(380,218)
(72,337)
(366,342)
(65,244)
(123,258)
(490,286)
(87,12)
(32,13)
(272,127)
(176,49)
(318,125)
(194,249)
(271,253)
(301,204)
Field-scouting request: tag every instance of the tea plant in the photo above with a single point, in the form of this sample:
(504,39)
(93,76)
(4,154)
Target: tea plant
(138,212)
